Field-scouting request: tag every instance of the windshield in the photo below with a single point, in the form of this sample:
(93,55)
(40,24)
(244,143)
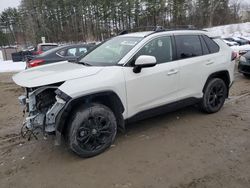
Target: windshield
(110,52)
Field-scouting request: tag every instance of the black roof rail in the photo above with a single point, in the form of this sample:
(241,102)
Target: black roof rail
(184,27)
(146,28)
(124,32)
(156,29)
(159,29)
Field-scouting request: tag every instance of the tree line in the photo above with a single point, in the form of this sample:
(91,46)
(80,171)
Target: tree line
(87,20)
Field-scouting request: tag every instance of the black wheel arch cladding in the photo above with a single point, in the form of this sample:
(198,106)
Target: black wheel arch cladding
(224,75)
(107,98)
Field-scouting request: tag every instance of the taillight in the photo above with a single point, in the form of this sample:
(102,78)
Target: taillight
(37,52)
(35,62)
(234,55)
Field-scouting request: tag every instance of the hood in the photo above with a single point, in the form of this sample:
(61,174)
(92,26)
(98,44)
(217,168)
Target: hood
(53,73)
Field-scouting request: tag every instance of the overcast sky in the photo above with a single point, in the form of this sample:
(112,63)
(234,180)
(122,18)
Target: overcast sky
(14,3)
(8,3)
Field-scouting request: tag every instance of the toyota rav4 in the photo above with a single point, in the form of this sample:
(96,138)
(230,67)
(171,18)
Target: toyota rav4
(126,78)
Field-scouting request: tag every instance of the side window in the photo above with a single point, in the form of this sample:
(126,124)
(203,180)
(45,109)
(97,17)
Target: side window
(71,52)
(212,46)
(61,53)
(81,51)
(160,48)
(188,46)
(204,46)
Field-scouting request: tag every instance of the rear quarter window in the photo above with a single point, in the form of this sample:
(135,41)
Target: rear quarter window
(212,46)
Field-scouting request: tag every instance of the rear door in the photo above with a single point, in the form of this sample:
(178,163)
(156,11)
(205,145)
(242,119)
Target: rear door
(196,63)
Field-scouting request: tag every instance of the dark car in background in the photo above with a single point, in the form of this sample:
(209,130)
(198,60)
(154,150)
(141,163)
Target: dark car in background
(21,55)
(244,64)
(245,38)
(44,47)
(238,40)
(61,53)
(39,49)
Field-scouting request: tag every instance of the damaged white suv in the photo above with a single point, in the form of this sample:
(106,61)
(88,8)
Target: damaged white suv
(126,78)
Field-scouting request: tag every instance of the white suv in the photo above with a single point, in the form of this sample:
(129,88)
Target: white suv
(126,78)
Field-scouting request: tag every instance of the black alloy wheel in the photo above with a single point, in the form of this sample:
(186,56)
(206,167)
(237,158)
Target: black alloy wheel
(92,130)
(215,95)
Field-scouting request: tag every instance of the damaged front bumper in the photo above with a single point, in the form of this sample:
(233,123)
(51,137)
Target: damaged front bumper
(42,106)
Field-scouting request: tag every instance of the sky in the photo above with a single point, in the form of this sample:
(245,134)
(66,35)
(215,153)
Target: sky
(8,3)
(14,3)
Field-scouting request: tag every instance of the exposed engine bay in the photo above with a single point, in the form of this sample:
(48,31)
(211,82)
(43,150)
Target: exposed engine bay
(42,106)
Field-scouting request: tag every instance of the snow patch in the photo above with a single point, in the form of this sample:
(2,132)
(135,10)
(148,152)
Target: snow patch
(10,66)
(233,30)
(241,48)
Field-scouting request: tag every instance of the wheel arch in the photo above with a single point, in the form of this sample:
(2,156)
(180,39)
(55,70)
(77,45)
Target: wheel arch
(107,98)
(224,75)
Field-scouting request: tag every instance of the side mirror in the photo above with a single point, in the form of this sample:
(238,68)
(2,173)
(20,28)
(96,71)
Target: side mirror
(144,61)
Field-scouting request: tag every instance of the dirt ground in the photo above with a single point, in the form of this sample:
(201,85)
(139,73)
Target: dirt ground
(183,149)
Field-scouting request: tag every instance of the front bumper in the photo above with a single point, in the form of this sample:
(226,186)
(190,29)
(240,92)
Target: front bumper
(44,120)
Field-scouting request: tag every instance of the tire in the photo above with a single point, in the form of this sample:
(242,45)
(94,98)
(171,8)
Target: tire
(92,129)
(215,94)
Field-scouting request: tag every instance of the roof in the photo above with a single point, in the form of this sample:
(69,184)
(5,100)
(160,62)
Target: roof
(138,34)
(72,45)
(53,50)
(48,44)
(171,32)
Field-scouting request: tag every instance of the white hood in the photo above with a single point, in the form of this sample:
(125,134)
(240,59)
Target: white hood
(53,73)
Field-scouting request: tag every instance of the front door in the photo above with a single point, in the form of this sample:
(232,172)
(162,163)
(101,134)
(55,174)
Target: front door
(154,86)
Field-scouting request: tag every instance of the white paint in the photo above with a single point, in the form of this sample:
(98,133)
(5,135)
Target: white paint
(152,87)
(53,73)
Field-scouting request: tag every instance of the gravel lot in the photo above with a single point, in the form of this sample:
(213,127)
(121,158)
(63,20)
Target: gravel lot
(183,149)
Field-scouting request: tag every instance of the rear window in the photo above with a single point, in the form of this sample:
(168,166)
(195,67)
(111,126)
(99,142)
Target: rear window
(188,46)
(212,46)
(45,48)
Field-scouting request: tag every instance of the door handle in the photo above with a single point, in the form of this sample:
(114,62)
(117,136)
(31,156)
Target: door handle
(210,62)
(173,71)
